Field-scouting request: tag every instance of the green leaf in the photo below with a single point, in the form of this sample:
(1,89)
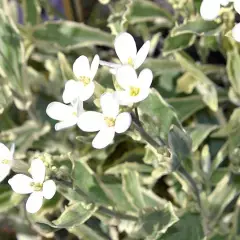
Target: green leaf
(233,63)
(162,66)
(86,181)
(141,168)
(116,194)
(132,189)
(156,222)
(198,26)
(199,133)
(178,43)
(233,130)
(186,106)
(65,67)
(84,232)
(160,115)
(5,97)
(32,11)
(180,142)
(8,199)
(66,36)
(76,214)
(11,57)
(189,227)
(145,11)
(186,83)
(26,134)
(221,196)
(205,86)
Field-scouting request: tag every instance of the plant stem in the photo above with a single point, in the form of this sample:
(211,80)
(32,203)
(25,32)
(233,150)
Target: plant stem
(101,209)
(143,133)
(181,169)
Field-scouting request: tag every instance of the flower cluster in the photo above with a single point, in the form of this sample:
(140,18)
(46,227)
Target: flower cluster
(111,119)
(36,186)
(210,10)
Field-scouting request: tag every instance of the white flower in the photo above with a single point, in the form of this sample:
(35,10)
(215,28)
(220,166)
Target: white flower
(6,161)
(237,6)
(67,114)
(36,186)
(84,86)
(210,9)
(236,32)
(107,123)
(135,88)
(126,50)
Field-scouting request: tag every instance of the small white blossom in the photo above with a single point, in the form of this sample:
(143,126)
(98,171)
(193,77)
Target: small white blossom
(36,186)
(6,161)
(210,9)
(84,86)
(236,32)
(67,114)
(135,88)
(107,123)
(126,50)
(236,5)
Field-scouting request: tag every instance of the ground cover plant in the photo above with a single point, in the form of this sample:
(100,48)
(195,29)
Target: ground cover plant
(120,120)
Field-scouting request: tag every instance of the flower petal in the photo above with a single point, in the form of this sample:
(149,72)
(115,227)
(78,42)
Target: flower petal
(94,66)
(87,91)
(123,122)
(4,171)
(236,32)
(21,184)
(224,2)
(91,121)
(49,189)
(125,47)
(210,9)
(126,76)
(38,170)
(109,105)
(123,98)
(71,91)
(34,202)
(59,111)
(81,67)
(237,6)
(66,124)
(142,54)
(78,106)
(143,94)
(104,137)
(5,153)
(145,78)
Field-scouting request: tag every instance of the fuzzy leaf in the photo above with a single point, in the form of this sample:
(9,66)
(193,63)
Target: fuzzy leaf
(179,42)
(66,36)
(75,214)
(86,181)
(132,189)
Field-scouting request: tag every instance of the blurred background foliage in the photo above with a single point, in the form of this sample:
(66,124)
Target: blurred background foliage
(196,86)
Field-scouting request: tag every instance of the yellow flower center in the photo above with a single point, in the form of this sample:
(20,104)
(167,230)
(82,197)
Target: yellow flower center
(37,186)
(134,91)
(85,80)
(74,114)
(109,121)
(130,61)
(5,161)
